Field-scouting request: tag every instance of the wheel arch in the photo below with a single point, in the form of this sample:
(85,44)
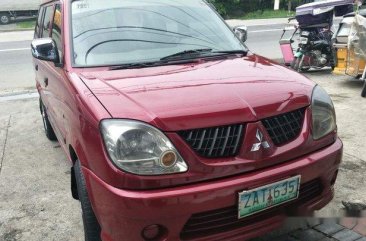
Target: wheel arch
(76,153)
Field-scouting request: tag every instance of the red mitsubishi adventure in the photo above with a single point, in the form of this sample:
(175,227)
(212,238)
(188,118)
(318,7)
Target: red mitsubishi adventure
(176,131)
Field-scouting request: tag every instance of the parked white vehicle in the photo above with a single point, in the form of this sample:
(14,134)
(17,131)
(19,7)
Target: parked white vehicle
(10,9)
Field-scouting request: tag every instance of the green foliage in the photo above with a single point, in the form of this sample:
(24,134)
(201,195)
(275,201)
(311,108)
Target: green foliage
(29,24)
(268,14)
(240,8)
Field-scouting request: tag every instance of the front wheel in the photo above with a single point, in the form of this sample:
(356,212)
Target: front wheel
(4,18)
(297,65)
(92,228)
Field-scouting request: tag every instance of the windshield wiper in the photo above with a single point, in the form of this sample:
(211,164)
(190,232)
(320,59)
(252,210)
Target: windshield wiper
(149,64)
(198,52)
(176,58)
(136,65)
(238,51)
(187,53)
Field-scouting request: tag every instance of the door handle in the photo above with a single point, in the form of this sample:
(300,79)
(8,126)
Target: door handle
(45,82)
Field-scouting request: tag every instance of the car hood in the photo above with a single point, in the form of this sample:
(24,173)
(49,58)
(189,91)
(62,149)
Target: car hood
(202,94)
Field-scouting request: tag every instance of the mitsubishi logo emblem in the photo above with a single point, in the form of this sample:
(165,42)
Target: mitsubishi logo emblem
(261,143)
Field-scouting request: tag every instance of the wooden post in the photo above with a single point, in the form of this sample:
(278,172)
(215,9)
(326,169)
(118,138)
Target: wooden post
(277,5)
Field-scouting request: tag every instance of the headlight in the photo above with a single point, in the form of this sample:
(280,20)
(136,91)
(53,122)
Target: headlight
(324,118)
(140,149)
(304,40)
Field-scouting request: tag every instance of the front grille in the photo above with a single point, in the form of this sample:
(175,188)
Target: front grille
(215,142)
(285,128)
(226,219)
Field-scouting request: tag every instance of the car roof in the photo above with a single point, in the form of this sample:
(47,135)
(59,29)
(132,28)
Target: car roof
(49,1)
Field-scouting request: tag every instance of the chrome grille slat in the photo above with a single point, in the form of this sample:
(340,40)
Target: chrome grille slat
(215,142)
(226,139)
(237,139)
(202,139)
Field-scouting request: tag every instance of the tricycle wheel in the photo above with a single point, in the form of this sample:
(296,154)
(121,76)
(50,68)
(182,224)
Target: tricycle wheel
(4,18)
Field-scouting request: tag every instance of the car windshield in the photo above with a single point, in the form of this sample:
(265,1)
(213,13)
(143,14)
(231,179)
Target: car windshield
(118,32)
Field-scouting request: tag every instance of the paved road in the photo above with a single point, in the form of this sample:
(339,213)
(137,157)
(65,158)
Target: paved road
(15,67)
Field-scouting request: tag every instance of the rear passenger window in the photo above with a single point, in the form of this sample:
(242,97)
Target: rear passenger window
(56,29)
(37,31)
(47,22)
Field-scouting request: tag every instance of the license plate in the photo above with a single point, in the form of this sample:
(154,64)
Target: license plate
(265,197)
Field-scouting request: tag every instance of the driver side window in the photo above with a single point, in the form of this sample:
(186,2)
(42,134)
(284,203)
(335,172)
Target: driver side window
(57,30)
(47,22)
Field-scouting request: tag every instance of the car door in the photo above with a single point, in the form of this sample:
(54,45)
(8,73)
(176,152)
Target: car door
(38,34)
(43,31)
(49,74)
(57,93)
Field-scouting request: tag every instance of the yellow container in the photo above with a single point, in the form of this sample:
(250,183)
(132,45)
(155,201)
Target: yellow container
(341,61)
(342,58)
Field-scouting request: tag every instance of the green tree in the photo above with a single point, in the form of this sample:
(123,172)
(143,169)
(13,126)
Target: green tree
(238,8)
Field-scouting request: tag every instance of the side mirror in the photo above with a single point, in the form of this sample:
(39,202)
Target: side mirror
(242,33)
(45,49)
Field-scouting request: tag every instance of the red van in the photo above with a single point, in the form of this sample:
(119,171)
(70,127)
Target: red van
(174,129)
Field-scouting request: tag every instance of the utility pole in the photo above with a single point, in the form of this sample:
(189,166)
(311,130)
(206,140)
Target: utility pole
(277,5)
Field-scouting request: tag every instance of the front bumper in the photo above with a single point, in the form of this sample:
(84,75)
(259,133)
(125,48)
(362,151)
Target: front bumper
(123,214)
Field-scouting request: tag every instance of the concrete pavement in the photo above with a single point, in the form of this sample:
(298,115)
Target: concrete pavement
(16,36)
(35,202)
(300,229)
(16,69)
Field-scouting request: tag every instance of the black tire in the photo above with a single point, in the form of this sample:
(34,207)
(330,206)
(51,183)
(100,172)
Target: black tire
(46,123)
(4,18)
(363,94)
(92,228)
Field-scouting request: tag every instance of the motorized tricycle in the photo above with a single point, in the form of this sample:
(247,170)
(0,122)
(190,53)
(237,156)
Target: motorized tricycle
(313,32)
(349,42)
